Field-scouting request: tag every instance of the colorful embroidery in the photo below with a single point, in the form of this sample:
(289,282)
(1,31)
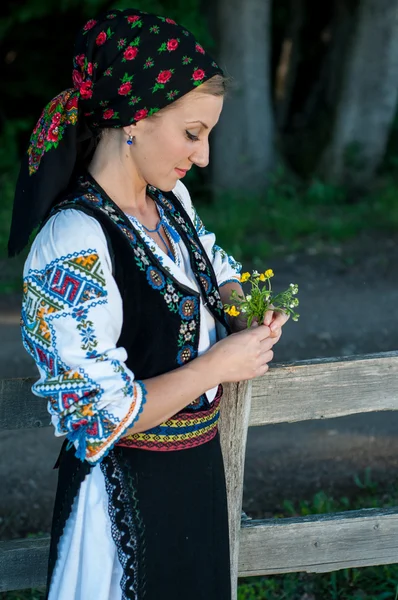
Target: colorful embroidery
(155,278)
(184,430)
(50,128)
(67,288)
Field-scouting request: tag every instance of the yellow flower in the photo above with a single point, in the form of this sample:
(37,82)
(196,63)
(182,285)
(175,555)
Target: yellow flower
(269,273)
(244,277)
(233,312)
(262,277)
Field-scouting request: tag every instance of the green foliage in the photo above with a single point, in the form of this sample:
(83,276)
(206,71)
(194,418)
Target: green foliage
(370,583)
(292,215)
(23,595)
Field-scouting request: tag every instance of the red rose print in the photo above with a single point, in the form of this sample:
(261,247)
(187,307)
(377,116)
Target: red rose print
(90,68)
(72,103)
(108,114)
(140,114)
(171,22)
(56,119)
(80,60)
(172,45)
(130,53)
(101,38)
(86,90)
(164,76)
(77,79)
(52,134)
(198,74)
(125,88)
(199,48)
(132,18)
(40,141)
(89,25)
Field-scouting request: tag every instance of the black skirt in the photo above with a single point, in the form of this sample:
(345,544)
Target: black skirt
(169,519)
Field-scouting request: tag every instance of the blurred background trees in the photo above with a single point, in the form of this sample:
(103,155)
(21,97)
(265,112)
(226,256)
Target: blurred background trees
(308,135)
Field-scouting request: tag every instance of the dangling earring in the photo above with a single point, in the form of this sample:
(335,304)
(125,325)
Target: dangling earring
(131,139)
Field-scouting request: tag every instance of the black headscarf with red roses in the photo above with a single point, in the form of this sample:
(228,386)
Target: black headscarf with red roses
(128,65)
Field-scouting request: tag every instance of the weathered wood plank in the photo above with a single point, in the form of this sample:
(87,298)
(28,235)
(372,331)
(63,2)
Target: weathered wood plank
(234,421)
(327,388)
(316,389)
(23,563)
(320,543)
(315,544)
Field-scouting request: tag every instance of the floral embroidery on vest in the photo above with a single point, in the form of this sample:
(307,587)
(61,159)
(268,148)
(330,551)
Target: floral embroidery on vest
(203,266)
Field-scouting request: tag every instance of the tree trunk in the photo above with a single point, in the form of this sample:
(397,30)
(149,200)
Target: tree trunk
(286,74)
(243,149)
(368,96)
(341,31)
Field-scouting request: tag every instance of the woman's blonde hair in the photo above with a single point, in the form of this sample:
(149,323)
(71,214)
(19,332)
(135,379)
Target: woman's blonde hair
(215,86)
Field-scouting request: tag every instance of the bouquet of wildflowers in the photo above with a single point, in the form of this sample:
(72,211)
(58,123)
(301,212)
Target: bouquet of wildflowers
(261,298)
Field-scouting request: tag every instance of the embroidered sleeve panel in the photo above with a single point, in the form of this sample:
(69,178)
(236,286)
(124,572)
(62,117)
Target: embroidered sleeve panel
(71,321)
(226,268)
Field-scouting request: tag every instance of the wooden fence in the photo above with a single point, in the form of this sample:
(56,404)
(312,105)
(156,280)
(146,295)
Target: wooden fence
(317,389)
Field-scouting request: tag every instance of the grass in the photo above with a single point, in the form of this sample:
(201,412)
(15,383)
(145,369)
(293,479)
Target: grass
(293,216)
(370,583)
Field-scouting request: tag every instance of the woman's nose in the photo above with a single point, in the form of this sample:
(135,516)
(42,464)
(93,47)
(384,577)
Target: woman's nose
(201,155)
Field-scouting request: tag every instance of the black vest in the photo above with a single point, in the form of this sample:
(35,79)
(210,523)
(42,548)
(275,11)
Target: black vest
(161,317)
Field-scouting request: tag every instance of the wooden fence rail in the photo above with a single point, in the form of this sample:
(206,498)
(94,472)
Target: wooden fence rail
(317,389)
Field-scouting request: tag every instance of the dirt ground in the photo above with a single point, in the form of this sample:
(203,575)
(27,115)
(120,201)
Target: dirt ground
(349,300)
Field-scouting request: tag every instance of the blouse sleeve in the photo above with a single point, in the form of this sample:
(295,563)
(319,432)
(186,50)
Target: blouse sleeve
(226,268)
(71,322)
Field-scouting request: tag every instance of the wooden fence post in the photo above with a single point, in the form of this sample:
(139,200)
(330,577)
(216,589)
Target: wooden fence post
(234,422)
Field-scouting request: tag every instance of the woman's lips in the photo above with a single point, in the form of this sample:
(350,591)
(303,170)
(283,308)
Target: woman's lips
(181,172)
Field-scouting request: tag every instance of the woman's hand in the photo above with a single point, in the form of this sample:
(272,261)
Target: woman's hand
(275,320)
(243,355)
(238,323)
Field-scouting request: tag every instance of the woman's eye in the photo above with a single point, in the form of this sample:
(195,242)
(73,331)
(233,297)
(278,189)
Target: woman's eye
(191,136)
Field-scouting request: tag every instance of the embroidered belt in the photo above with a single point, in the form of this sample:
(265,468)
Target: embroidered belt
(184,430)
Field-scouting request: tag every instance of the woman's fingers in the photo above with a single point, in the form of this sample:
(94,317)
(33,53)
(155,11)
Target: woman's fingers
(269,315)
(267,357)
(267,344)
(278,322)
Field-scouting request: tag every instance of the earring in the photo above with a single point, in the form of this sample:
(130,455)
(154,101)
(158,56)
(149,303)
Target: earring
(131,139)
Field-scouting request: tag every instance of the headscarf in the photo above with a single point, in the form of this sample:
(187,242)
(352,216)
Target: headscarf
(127,65)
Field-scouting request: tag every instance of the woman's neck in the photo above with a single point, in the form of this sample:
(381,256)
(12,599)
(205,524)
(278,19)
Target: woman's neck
(120,181)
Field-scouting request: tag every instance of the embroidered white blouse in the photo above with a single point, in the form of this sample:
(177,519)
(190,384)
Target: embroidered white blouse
(72,319)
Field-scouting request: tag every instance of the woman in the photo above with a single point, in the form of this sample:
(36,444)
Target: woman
(123,314)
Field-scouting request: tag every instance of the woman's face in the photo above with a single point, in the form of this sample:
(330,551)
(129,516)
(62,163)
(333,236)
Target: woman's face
(168,144)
